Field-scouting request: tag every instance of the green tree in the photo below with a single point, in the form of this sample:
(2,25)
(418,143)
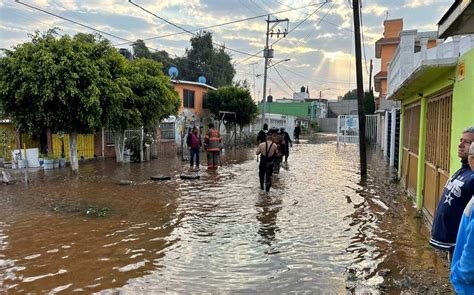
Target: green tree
(140,50)
(233,99)
(205,59)
(55,83)
(369,103)
(350,95)
(141,96)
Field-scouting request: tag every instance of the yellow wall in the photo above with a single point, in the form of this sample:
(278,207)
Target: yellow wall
(85,146)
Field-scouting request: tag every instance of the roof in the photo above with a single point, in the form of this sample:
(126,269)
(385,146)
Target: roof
(380,75)
(458,20)
(193,83)
(384,41)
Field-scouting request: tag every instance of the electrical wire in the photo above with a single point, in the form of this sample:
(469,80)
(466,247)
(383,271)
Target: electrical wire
(217,69)
(227,23)
(281,77)
(183,29)
(363,39)
(72,21)
(319,22)
(294,28)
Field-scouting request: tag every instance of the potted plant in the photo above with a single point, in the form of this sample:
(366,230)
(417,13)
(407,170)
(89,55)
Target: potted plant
(41,158)
(48,162)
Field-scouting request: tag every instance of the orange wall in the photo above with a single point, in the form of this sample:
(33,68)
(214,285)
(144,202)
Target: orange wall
(198,94)
(387,54)
(392,28)
(431,44)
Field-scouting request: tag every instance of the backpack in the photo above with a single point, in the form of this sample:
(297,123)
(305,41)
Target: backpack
(188,140)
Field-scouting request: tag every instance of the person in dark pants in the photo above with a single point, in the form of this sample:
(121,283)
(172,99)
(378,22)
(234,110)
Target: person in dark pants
(194,142)
(296,133)
(287,143)
(267,151)
(456,194)
(262,134)
(212,142)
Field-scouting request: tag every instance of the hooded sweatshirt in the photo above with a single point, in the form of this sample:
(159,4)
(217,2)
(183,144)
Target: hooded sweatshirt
(462,266)
(457,193)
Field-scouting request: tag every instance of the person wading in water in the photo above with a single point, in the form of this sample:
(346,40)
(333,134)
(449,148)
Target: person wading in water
(267,151)
(212,145)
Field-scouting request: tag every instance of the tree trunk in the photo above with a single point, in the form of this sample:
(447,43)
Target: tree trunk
(119,146)
(73,151)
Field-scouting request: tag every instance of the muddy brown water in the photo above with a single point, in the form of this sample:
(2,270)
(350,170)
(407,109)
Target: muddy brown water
(320,229)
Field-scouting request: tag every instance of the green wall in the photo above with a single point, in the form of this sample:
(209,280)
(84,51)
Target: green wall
(463,107)
(297,109)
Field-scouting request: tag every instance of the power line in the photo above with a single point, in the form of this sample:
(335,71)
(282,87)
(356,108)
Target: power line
(279,87)
(319,22)
(227,23)
(183,29)
(258,6)
(318,18)
(115,36)
(281,77)
(240,1)
(294,28)
(70,20)
(363,39)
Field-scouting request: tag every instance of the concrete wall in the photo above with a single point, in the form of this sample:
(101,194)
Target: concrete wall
(328,125)
(343,107)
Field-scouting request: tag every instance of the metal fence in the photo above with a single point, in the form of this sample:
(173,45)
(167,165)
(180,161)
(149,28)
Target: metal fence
(371,128)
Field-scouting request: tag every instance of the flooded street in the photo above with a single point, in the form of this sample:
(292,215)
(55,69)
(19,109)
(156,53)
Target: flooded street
(320,228)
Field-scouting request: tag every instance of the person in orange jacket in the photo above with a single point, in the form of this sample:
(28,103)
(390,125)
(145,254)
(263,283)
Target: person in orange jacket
(212,142)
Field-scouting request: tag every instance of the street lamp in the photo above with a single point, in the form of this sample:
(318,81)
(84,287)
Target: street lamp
(280,61)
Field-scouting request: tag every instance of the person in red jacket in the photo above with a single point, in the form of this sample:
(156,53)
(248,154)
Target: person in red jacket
(194,143)
(212,145)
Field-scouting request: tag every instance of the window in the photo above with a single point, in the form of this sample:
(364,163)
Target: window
(188,98)
(204,100)
(167,130)
(109,138)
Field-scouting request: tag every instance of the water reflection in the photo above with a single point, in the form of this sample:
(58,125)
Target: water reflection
(267,209)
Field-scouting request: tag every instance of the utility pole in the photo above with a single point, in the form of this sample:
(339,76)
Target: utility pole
(370,76)
(268,54)
(360,89)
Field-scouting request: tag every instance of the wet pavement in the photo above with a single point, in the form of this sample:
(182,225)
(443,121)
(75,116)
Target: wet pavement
(320,229)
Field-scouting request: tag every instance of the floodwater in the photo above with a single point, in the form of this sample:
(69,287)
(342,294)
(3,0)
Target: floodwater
(320,229)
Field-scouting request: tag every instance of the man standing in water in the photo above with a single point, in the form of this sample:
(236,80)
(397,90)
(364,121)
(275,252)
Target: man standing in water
(267,151)
(262,134)
(457,193)
(212,146)
(296,133)
(462,267)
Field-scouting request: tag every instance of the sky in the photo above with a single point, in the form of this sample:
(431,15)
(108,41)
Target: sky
(319,46)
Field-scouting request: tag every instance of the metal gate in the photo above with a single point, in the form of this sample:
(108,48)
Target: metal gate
(411,131)
(371,128)
(347,129)
(438,136)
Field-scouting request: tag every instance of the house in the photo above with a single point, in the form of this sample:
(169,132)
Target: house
(171,132)
(434,86)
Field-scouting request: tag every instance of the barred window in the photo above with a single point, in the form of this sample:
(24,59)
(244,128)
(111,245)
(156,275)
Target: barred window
(109,137)
(167,130)
(188,98)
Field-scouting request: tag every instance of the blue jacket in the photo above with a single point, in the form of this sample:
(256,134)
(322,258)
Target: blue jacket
(462,266)
(457,193)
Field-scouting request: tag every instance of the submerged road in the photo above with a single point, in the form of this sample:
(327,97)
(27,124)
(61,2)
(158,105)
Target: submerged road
(320,229)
